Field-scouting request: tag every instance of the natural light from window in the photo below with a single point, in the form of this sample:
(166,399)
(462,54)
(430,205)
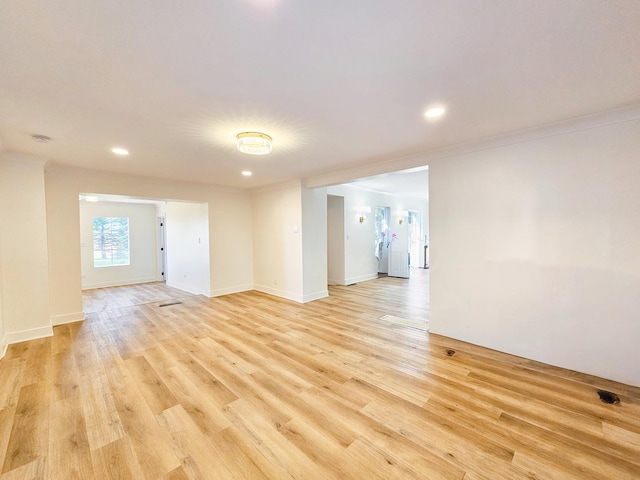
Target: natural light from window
(110,241)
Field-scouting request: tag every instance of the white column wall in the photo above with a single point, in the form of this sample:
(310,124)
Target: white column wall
(188,247)
(3,344)
(314,243)
(335,240)
(534,249)
(277,241)
(23,231)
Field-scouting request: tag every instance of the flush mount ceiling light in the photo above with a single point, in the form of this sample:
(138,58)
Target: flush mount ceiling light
(434,112)
(120,151)
(246,173)
(254,143)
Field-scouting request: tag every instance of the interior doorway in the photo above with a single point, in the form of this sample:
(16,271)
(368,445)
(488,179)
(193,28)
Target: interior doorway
(399,204)
(158,245)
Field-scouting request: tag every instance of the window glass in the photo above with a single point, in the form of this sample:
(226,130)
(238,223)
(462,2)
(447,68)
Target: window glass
(110,241)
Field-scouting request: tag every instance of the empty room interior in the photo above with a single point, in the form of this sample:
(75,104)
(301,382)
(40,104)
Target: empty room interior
(267,239)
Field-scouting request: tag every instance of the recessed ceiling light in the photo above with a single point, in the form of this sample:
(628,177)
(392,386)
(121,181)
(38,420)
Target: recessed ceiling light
(120,151)
(254,143)
(246,173)
(434,112)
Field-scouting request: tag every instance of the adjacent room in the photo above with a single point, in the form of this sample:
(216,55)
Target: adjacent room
(267,239)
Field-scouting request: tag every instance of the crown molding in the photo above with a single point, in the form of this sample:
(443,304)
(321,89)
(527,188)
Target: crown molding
(296,182)
(59,169)
(585,122)
(17,157)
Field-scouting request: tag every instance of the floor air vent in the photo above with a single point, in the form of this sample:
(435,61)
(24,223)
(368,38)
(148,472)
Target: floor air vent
(169,304)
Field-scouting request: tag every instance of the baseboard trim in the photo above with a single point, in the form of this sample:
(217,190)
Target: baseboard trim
(361,278)
(67,318)
(120,283)
(279,293)
(229,290)
(310,297)
(186,288)
(30,334)
(335,282)
(3,350)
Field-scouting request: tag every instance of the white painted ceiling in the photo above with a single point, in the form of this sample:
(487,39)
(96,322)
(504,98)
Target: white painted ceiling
(336,83)
(410,183)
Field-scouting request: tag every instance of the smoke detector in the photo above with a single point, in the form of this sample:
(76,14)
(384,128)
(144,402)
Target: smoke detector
(41,138)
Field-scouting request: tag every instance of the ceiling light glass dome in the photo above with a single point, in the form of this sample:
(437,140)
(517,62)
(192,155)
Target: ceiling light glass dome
(254,143)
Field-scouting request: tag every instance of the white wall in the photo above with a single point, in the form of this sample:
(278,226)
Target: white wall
(187,229)
(3,344)
(534,249)
(142,244)
(277,241)
(287,220)
(23,231)
(231,262)
(314,243)
(361,263)
(335,240)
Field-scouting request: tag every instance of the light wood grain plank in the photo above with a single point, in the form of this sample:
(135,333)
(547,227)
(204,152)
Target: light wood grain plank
(116,461)
(100,413)
(200,459)
(155,392)
(274,455)
(150,443)
(30,431)
(250,386)
(68,443)
(35,470)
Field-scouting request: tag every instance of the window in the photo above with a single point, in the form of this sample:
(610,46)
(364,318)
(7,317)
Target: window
(110,241)
(381,231)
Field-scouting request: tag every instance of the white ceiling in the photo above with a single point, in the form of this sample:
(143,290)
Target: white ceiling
(336,83)
(411,183)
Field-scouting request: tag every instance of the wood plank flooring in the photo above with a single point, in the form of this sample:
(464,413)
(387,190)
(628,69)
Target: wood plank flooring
(249,386)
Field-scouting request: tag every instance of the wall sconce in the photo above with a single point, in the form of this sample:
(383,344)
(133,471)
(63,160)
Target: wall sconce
(403,216)
(363,213)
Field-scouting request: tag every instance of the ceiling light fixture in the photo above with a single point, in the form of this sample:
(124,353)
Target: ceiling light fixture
(434,112)
(120,151)
(246,173)
(254,143)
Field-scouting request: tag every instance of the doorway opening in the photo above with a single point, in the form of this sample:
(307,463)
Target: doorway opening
(159,249)
(391,244)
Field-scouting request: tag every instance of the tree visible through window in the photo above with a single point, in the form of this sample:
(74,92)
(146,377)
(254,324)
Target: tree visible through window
(110,241)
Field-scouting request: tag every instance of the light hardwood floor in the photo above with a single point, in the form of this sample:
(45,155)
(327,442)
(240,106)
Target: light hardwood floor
(249,386)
